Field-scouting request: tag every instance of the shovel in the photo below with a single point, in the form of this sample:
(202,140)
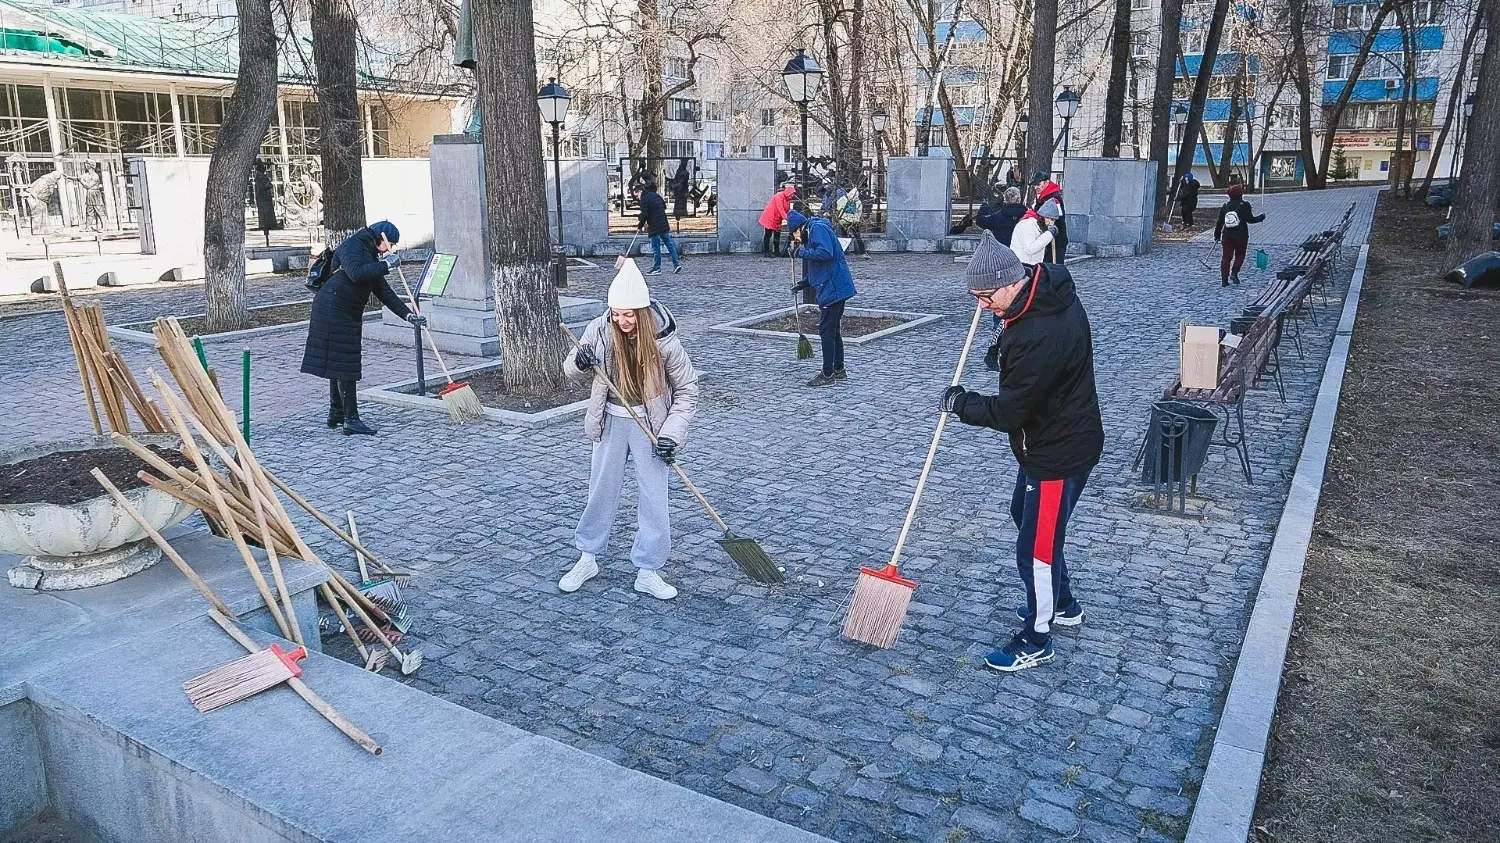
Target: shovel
(746,552)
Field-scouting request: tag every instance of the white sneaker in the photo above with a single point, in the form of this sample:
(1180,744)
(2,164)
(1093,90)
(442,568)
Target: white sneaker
(650,582)
(583,571)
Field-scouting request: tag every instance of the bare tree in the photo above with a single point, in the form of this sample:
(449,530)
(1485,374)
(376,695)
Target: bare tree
(1455,98)
(1206,66)
(1163,90)
(526,307)
(1300,17)
(1474,203)
(1119,72)
(1333,115)
(1043,58)
(334,37)
(251,107)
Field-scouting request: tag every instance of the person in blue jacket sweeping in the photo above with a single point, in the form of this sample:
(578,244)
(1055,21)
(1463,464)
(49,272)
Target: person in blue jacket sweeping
(827,274)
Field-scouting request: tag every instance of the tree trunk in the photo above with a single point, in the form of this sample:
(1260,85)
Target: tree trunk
(1039,135)
(1455,99)
(1407,104)
(955,143)
(851,150)
(1119,72)
(340,125)
(1200,96)
(1161,105)
(1474,203)
(526,309)
(1302,80)
(251,108)
(652,45)
(1226,149)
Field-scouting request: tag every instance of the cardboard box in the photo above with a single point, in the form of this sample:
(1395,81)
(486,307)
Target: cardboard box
(1200,355)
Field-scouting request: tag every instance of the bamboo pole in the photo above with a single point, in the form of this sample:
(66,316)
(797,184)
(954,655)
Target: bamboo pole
(327,522)
(72,322)
(333,603)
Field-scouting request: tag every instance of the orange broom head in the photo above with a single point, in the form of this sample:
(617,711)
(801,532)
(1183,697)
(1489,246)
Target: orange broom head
(878,608)
(244,677)
(452,387)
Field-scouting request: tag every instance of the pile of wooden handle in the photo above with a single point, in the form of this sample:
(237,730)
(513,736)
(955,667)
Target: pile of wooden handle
(107,381)
(242,503)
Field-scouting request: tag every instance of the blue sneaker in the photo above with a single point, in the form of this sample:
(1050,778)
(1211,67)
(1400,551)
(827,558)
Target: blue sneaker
(1071,616)
(1019,655)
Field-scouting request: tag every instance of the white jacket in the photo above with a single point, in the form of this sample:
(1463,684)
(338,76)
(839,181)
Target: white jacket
(1030,242)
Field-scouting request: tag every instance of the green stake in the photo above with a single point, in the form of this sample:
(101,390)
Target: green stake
(202,358)
(245,395)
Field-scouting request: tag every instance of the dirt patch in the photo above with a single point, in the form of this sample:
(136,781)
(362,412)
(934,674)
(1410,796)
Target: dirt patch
(64,478)
(1388,724)
(260,317)
(849,326)
(489,385)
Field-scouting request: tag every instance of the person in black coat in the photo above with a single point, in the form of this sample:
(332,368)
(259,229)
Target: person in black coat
(336,327)
(1049,407)
(1187,196)
(653,220)
(679,184)
(1233,233)
(1000,220)
(265,200)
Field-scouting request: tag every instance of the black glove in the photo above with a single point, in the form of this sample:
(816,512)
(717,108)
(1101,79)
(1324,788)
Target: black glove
(416,319)
(953,399)
(585,359)
(801,285)
(666,450)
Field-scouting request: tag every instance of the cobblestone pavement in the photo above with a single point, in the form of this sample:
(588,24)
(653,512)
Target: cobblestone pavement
(748,693)
(1290,217)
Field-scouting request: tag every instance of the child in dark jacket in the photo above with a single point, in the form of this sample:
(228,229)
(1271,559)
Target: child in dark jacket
(827,273)
(1235,238)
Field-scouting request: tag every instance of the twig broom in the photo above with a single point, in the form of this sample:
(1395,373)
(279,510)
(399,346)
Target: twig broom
(244,677)
(463,405)
(748,553)
(804,348)
(878,608)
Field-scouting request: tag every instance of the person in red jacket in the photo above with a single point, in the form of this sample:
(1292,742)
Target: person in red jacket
(772,218)
(1046,189)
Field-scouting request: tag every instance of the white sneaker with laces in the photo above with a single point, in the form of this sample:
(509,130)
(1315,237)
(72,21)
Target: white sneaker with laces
(650,582)
(585,569)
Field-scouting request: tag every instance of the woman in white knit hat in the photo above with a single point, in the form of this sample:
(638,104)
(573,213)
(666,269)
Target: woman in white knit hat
(636,345)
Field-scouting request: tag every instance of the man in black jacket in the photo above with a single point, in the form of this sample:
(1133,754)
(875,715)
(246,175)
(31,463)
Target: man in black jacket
(1048,405)
(653,221)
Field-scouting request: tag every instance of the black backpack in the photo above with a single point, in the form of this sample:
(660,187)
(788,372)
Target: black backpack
(320,270)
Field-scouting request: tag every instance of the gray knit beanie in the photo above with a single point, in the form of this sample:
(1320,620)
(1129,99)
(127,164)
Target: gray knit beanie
(993,266)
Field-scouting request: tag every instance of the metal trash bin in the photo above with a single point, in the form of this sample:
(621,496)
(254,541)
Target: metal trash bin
(1178,441)
(1242,324)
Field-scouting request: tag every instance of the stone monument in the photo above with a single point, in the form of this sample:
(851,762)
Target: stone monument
(919,201)
(1110,207)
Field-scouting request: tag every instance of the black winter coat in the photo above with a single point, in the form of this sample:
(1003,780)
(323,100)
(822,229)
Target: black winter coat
(654,213)
(1239,232)
(1188,194)
(1000,221)
(1047,400)
(336,328)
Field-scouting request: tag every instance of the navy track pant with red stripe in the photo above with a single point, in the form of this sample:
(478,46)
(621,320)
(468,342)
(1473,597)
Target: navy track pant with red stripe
(1041,509)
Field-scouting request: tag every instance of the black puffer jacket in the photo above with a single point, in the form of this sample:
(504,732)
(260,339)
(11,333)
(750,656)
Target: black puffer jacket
(336,328)
(653,216)
(1047,400)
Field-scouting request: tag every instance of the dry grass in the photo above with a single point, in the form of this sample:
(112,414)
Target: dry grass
(1388,724)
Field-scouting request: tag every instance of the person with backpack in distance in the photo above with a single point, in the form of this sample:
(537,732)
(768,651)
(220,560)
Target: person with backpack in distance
(826,272)
(636,345)
(848,213)
(653,221)
(1048,406)
(1233,231)
(335,329)
(1187,196)
(771,220)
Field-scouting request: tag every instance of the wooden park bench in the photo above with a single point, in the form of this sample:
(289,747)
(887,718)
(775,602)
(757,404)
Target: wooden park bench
(1319,249)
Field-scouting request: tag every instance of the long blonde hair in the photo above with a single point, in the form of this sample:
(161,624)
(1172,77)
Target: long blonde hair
(639,372)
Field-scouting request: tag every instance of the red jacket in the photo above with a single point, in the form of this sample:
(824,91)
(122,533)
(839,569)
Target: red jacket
(776,209)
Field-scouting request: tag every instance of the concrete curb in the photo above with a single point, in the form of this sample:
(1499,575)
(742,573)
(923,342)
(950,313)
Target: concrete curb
(1226,801)
(395,394)
(124,334)
(915,320)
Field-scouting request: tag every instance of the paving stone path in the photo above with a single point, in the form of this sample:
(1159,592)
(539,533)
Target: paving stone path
(748,693)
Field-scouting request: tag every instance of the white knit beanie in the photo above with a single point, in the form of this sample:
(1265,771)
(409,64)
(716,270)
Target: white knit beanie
(628,291)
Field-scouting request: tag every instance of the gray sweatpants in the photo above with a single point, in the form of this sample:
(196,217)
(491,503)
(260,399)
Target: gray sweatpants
(653,529)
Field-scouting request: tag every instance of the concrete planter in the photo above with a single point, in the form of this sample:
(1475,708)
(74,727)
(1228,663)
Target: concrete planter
(83,544)
(403,394)
(914,320)
(146,338)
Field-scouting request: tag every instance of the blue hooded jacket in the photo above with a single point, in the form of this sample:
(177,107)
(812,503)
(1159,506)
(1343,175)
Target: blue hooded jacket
(827,270)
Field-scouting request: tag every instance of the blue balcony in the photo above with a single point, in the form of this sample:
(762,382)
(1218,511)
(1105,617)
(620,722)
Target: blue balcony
(1225,64)
(1375,90)
(1345,43)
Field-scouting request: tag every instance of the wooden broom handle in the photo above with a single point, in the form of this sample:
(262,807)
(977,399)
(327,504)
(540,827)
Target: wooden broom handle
(682,475)
(958,373)
(354,732)
(431,343)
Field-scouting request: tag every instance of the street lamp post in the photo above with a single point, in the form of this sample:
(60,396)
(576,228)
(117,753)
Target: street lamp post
(802,76)
(1067,108)
(1179,117)
(553,101)
(1023,125)
(1458,141)
(877,122)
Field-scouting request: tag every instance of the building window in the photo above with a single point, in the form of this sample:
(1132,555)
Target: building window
(768,152)
(713,150)
(790,154)
(380,131)
(685,110)
(679,149)
(767,118)
(576,146)
(1350,16)
(675,68)
(740,149)
(23,119)
(302,133)
(1339,67)
(713,112)
(87,122)
(201,117)
(145,123)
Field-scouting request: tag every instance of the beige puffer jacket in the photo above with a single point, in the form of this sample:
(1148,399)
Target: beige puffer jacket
(668,414)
